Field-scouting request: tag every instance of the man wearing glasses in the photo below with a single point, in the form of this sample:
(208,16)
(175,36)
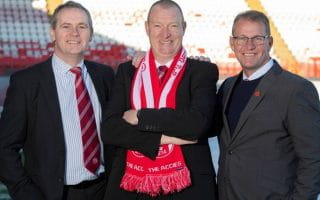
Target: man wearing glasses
(269,122)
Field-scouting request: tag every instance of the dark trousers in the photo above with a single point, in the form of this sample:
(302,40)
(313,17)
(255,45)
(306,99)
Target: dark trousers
(87,190)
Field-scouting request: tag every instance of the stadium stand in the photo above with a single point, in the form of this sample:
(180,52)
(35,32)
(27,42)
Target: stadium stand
(119,32)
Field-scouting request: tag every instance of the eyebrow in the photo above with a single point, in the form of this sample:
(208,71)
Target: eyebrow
(68,23)
(155,22)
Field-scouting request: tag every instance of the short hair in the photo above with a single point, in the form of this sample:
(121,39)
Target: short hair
(165,4)
(255,16)
(69,4)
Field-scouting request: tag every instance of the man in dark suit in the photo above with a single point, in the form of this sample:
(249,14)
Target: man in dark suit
(151,110)
(269,144)
(49,111)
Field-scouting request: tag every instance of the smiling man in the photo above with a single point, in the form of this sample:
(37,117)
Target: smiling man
(270,120)
(53,112)
(159,118)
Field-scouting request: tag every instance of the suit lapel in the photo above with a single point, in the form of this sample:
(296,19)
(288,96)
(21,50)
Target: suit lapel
(97,82)
(266,82)
(48,83)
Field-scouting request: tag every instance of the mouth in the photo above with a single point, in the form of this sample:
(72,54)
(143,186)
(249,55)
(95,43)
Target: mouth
(249,54)
(166,42)
(73,42)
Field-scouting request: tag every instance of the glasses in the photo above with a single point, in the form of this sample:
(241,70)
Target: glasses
(257,40)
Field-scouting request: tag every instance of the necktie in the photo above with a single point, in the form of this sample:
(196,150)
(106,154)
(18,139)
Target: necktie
(90,140)
(162,72)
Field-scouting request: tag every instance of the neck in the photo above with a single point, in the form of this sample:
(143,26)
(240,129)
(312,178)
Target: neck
(72,60)
(162,60)
(248,73)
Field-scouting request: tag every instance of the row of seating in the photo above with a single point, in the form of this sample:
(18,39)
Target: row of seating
(208,30)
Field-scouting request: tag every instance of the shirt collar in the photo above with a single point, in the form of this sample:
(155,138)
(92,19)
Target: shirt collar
(168,64)
(260,72)
(60,66)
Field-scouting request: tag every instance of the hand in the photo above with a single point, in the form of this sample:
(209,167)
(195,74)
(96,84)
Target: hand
(200,58)
(131,117)
(137,57)
(174,140)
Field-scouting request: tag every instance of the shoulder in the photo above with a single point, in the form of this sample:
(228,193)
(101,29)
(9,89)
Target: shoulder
(126,69)
(31,73)
(126,66)
(290,79)
(202,69)
(101,68)
(228,81)
(201,65)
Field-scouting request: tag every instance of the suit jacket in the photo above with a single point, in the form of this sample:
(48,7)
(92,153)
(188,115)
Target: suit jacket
(274,152)
(31,120)
(195,101)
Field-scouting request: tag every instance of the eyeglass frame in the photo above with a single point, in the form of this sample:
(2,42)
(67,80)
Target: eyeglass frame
(252,38)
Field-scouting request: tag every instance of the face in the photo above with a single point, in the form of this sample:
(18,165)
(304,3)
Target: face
(71,34)
(251,56)
(165,28)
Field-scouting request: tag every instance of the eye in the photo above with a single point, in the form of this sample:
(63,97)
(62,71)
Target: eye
(65,26)
(84,26)
(242,38)
(258,38)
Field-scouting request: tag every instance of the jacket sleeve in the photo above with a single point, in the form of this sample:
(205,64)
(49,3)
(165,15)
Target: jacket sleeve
(118,132)
(192,121)
(304,128)
(218,112)
(13,135)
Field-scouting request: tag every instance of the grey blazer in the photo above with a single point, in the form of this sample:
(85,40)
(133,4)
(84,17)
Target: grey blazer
(274,152)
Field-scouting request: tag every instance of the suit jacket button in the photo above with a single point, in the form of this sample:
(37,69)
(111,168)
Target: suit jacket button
(230,152)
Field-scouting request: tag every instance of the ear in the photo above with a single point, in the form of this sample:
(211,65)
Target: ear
(231,42)
(52,34)
(270,41)
(146,26)
(184,25)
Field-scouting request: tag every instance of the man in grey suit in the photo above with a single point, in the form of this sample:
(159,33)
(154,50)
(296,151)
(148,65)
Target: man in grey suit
(269,121)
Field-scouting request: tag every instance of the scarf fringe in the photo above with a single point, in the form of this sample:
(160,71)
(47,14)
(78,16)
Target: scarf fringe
(154,185)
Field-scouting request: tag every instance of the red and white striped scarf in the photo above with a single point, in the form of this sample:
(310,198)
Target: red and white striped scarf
(168,173)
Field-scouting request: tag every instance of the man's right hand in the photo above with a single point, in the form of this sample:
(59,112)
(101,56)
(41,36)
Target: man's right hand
(200,58)
(137,57)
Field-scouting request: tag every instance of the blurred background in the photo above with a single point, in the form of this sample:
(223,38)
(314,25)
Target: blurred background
(119,32)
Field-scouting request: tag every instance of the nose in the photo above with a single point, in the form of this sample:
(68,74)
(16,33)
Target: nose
(250,44)
(75,31)
(166,32)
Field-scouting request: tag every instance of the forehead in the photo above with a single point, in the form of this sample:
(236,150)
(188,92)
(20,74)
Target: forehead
(160,13)
(247,26)
(72,15)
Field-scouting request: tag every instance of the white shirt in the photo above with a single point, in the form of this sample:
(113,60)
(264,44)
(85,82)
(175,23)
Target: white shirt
(167,64)
(75,170)
(260,72)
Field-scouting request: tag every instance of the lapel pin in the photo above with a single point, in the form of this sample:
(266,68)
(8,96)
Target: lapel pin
(257,93)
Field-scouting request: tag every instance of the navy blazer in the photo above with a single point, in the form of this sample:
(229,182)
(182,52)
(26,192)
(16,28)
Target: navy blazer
(31,120)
